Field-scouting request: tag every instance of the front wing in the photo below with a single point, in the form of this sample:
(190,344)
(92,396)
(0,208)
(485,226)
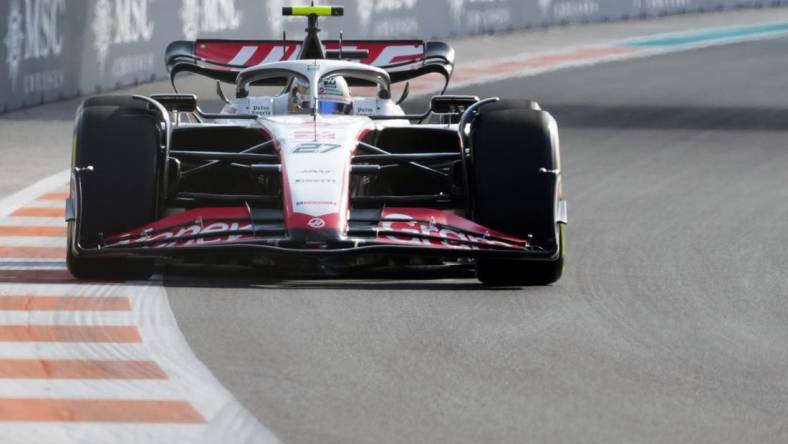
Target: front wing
(250,231)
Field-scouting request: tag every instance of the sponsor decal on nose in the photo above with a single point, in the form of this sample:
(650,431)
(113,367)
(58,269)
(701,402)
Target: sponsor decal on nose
(316,223)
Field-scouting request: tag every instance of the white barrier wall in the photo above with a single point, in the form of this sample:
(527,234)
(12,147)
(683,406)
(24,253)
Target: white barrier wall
(55,49)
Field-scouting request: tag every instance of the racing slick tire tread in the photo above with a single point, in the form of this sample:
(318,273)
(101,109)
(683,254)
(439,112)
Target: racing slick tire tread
(512,140)
(120,138)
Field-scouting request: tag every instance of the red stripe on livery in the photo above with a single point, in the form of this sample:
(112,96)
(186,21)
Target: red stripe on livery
(381,53)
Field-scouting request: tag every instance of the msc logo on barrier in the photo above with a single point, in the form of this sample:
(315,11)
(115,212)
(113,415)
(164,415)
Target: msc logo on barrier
(119,22)
(569,9)
(391,17)
(652,6)
(456,9)
(208,16)
(481,15)
(32,34)
(274,14)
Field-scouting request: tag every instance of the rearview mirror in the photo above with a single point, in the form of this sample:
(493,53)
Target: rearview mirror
(451,104)
(185,103)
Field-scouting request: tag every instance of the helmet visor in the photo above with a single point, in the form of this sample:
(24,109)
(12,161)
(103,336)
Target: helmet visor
(331,107)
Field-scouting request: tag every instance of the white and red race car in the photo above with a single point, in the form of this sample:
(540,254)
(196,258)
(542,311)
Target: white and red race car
(314,176)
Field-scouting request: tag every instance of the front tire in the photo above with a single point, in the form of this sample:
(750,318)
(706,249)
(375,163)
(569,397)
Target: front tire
(120,138)
(512,141)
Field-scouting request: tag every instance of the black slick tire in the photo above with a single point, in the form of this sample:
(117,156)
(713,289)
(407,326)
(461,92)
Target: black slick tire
(512,141)
(120,138)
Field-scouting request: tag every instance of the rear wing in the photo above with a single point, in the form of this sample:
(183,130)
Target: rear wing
(223,59)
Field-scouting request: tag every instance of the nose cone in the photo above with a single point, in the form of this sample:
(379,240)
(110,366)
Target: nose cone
(316,157)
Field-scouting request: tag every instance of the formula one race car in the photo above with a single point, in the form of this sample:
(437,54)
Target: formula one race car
(313,177)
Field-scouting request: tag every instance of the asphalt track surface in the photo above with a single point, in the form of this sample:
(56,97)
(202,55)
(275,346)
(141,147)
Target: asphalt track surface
(670,324)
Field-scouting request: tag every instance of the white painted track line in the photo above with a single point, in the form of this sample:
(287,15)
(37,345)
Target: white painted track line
(46,204)
(59,324)
(33,241)
(21,221)
(43,186)
(46,350)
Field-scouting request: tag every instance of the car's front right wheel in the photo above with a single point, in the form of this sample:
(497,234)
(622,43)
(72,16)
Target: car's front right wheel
(516,188)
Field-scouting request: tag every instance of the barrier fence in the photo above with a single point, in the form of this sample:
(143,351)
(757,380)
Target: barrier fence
(56,49)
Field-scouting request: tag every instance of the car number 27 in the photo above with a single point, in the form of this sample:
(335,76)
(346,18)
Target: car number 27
(315,147)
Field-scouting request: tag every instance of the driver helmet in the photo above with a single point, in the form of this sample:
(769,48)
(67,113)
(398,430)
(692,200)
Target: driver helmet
(333,96)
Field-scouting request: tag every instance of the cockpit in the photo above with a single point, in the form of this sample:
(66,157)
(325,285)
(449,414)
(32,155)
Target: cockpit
(314,87)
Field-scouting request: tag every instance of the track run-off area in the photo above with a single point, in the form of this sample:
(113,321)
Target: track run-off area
(669,325)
